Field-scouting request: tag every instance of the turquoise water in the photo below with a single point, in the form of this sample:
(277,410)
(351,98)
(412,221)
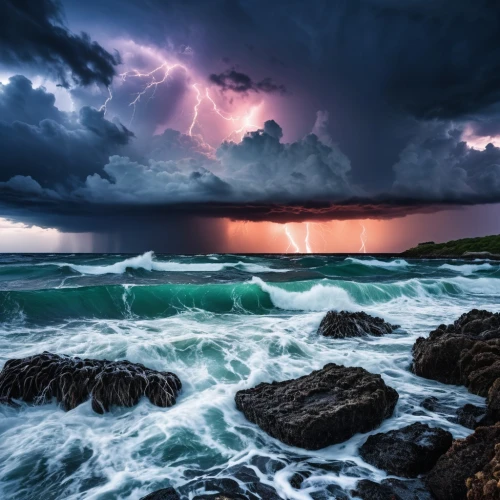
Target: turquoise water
(222,323)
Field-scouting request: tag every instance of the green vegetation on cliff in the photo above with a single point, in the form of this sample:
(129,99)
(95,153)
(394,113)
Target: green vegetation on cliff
(457,248)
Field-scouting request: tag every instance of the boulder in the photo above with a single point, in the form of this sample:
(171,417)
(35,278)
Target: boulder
(71,381)
(326,407)
(392,489)
(470,415)
(344,324)
(406,452)
(466,352)
(466,457)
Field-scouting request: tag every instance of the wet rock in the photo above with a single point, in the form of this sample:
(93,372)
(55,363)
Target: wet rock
(485,484)
(406,452)
(392,489)
(466,457)
(466,352)
(222,496)
(353,324)
(326,407)
(72,381)
(164,494)
(298,478)
(436,405)
(470,415)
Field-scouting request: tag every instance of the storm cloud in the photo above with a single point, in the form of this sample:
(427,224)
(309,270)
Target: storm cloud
(406,92)
(33,34)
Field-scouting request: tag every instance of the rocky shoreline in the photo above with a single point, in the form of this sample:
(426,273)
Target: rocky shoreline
(327,406)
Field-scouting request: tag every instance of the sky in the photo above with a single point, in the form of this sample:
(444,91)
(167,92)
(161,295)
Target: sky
(246,125)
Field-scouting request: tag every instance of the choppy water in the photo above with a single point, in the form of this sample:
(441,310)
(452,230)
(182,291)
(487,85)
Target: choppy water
(222,323)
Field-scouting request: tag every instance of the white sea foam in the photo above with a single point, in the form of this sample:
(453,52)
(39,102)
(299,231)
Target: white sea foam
(318,298)
(148,262)
(467,268)
(391,264)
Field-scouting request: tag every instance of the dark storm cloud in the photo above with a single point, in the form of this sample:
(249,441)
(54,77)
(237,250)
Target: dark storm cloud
(375,65)
(53,147)
(438,165)
(242,83)
(32,34)
(402,82)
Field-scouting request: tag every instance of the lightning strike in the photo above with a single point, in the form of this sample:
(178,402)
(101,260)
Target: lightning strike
(160,75)
(152,84)
(199,100)
(104,106)
(362,237)
(291,240)
(308,246)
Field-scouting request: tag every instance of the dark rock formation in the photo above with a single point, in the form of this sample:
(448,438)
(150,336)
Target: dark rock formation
(71,381)
(392,489)
(494,401)
(406,452)
(466,457)
(353,324)
(466,352)
(470,415)
(326,407)
(164,494)
(485,485)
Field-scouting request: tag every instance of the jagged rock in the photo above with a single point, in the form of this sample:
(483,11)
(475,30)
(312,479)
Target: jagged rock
(466,457)
(470,415)
(353,324)
(466,352)
(164,494)
(485,484)
(406,452)
(71,381)
(326,407)
(392,489)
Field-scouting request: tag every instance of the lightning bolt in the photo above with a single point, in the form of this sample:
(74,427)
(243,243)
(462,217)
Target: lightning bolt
(362,237)
(199,100)
(291,240)
(152,84)
(160,75)
(104,106)
(306,241)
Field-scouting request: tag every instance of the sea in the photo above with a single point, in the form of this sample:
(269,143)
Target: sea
(222,323)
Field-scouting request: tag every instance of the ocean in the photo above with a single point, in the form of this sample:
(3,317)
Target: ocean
(221,323)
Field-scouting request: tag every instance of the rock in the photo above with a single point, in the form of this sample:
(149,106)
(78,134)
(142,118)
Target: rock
(466,352)
(466,457)
(392,489)
(485,485)
(353,324)
(71,381)
(326,407)
(494,401)
(436,405)
(164,494)
(470,415)
(406,452)
(222,496)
